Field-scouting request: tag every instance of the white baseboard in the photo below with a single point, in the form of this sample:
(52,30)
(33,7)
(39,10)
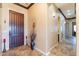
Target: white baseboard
(53,46)
(51,49)
(41,51)
(46,54)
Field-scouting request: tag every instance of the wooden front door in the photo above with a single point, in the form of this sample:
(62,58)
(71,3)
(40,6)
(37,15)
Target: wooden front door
(16,29)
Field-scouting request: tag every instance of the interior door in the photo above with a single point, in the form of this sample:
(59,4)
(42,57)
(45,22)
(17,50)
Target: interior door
(16,29)
(73,29)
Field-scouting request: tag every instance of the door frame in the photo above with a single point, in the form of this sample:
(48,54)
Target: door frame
(9,24)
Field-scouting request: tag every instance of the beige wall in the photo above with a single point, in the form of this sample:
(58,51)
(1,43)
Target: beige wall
(62,27)
(38,14)
(5,17)
(51,28)
(0,28)
(77,22)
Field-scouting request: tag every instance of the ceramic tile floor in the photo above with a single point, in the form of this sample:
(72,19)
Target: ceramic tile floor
(22,51)
(66,48)
(62,51)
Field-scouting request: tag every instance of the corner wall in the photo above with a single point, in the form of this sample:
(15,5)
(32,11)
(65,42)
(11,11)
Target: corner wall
(52,32)
(38,14)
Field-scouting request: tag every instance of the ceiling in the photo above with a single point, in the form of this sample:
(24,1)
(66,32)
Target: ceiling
(68,9)
(24,5)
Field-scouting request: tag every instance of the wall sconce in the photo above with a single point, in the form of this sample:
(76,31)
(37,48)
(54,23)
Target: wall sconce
(64,22)
(53,14)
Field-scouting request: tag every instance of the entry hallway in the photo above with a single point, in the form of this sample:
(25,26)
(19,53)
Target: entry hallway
(65,48)
(22,51)
(45,22)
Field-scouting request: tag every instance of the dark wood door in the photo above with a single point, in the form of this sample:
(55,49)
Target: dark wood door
(16,29)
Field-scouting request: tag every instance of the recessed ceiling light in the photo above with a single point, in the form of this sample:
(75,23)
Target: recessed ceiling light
(68,11)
